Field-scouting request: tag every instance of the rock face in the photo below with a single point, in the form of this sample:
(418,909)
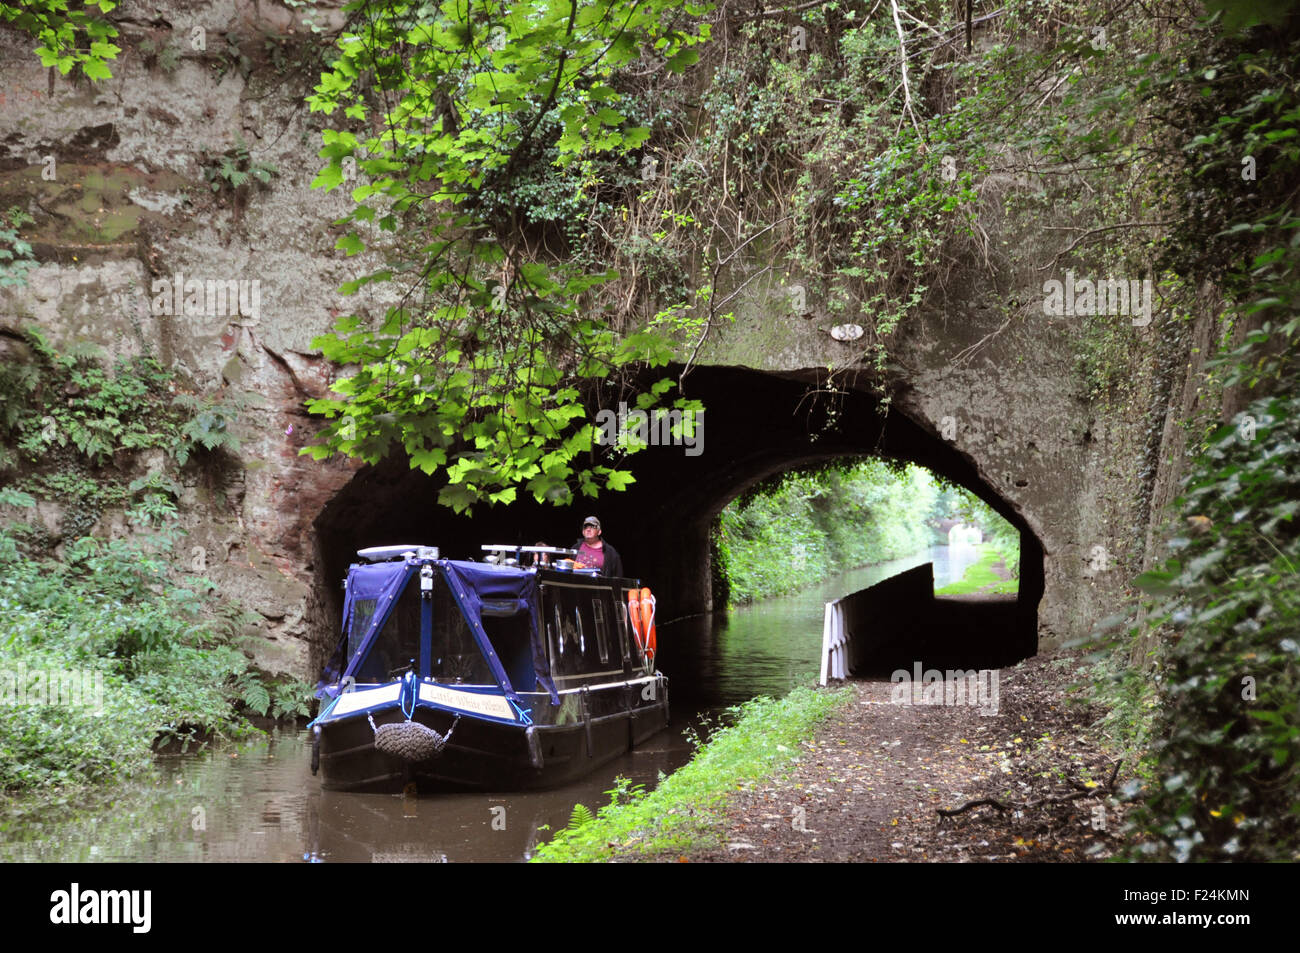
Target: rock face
(125,178)
(130,181)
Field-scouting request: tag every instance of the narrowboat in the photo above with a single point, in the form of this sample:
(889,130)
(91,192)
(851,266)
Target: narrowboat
(465,675)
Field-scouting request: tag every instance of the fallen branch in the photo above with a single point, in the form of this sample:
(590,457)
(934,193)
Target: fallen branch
(993,802)
(1099,790)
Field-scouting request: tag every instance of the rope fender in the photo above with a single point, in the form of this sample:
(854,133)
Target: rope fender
(410,740)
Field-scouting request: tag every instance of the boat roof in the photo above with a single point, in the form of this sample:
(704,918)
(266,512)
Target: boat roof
(415,553)
(472,584)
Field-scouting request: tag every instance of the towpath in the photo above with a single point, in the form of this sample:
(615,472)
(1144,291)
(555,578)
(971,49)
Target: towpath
(868,786)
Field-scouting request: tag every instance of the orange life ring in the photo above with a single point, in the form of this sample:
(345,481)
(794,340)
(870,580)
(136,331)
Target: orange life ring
(648,623)
(634,616)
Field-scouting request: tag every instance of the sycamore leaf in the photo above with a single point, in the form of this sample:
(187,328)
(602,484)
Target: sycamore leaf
(350,243)
(429,460)
(96,69)
(619,480)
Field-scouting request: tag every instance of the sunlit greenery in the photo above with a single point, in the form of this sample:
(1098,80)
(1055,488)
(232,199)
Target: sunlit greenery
(981,577)
(808,526)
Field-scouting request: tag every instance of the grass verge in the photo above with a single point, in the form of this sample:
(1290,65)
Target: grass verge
(980,578)
(682,813)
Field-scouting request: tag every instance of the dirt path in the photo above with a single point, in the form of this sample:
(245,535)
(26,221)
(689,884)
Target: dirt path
(868,786)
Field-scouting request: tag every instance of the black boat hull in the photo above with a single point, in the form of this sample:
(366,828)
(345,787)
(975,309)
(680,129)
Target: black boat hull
(489,755)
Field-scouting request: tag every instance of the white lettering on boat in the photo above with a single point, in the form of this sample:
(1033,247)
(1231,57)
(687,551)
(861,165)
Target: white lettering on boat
(493,705)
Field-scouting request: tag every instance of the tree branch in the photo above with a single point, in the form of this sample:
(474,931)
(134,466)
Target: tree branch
(902,51)
(1097,231)
(780,11)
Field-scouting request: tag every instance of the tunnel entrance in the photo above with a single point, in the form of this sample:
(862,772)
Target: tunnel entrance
(756,424)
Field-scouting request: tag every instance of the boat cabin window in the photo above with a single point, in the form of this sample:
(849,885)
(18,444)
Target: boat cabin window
(562,637)
(456,656)
(398,641)
(602,632)
(620,609)
(363,612)
(577,632)
(511,638)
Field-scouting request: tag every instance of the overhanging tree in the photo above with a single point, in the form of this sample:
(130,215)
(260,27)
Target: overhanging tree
(485,368)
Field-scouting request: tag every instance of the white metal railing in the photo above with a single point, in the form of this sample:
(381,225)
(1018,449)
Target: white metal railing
(835,642)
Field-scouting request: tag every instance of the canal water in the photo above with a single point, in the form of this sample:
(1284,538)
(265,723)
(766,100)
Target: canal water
(259,802)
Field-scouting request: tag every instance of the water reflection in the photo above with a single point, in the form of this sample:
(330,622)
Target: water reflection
(259,802)
(229,803)
(771,646)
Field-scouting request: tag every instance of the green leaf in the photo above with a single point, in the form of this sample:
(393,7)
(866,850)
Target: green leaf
(619,480)
(328,178)
(682,59)
(429,460)
(96,69)
(1155,583)
(350,243)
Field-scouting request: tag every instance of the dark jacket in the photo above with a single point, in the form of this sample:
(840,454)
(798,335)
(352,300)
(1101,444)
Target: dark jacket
(613,561)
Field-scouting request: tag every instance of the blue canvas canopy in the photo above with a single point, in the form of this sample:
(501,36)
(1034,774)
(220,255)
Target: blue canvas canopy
(505,589)
(382,582)
(475,583)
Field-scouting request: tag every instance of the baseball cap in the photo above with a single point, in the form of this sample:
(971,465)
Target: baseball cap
(591,521)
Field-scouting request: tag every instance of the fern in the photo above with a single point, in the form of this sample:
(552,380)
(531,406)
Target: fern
(78,352)
(254,693)
(233,168)
(39,342)
(155,482)
(581,816)
(292,699)
(209,429)
(154,510)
